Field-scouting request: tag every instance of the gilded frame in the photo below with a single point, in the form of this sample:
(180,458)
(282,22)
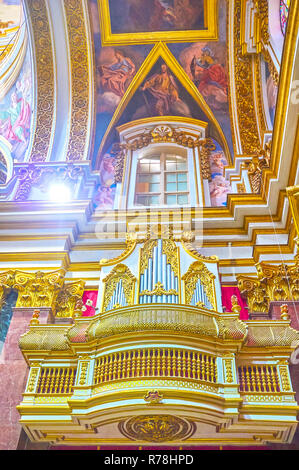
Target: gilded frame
(293,195)
(209,34)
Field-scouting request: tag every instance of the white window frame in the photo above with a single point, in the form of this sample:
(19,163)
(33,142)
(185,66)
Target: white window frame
(155,149)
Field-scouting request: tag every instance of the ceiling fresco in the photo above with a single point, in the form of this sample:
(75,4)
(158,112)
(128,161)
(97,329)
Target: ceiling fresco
(16,96)
(148,21)
(146,16)
(136,79)
(16,113)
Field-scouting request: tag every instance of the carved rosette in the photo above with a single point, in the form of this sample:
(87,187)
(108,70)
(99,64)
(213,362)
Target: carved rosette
(157,428)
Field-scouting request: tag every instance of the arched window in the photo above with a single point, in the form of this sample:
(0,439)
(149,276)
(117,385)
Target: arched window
(284,13)
(162,179)
(3,169)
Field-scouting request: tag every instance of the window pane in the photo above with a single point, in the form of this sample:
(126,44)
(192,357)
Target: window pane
(154,188)
(171,177)
(171,187)
(182,177)
(183,199)
(148,178)
(155,168)
(170,166)
(153,200)
(143,168)
(182,186)
(181,165)
(147,200)
(171,199)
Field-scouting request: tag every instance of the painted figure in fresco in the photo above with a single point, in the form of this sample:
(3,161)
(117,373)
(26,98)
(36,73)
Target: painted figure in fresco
(114,78)
(107,170)
(211,79)
(219,188)
(217,163)
(104,197)
(163,89)
(16,117)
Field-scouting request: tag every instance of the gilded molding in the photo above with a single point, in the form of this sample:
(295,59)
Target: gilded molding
(293,195)
(159,290)
(187,240)
(255,167)
(39,176)
(45,96)
(146,252)
(80,78)
(248,126)
(131,242)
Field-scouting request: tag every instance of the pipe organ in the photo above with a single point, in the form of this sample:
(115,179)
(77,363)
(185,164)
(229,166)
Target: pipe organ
(160,355)
(153,276)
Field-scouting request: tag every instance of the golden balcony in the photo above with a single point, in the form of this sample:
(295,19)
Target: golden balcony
(130,375)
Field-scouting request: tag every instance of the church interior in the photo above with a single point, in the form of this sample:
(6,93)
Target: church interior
(149,224)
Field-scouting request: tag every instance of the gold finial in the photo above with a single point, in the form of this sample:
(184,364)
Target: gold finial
(284,309)
(236,307)
(35,318)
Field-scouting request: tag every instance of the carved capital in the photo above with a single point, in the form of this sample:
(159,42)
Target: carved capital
(6,284)
(68,299)
(38,289)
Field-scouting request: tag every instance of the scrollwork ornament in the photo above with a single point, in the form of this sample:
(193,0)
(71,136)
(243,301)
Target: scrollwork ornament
(68,299)
(79,56)
(198,271)
(42,43)
(119,272)
(248,127)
